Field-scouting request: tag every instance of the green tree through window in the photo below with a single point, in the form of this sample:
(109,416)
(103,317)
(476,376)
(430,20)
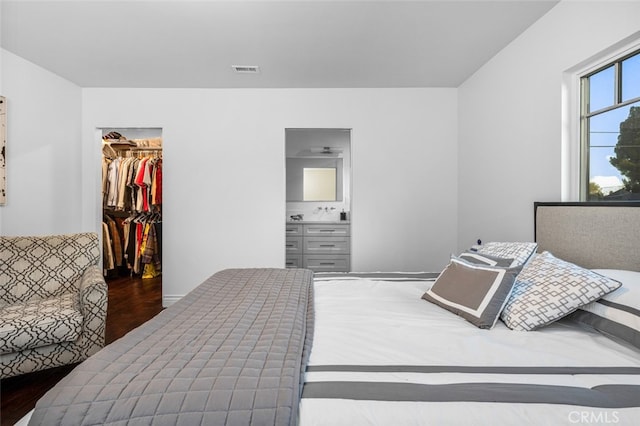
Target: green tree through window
(627,150)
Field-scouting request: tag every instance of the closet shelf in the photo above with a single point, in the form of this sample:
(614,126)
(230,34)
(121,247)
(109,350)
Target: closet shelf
(135,147)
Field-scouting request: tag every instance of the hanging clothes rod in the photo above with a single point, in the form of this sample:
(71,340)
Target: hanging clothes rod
(143,148)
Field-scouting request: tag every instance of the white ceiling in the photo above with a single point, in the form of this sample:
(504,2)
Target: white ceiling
(147,43)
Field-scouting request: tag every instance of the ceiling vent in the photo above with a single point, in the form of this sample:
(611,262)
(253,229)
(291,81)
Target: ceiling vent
(246,69)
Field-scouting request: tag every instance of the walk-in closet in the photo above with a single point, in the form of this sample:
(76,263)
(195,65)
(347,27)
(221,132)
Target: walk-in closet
(132,206)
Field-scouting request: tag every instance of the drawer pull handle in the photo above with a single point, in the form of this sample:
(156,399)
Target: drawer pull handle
(290,245)
(327,263)
(326,230)
(327,245)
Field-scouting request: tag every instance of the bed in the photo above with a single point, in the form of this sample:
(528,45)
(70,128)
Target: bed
(270,346)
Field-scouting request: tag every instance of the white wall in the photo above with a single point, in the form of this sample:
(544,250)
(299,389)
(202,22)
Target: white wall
(43,151)
(1,93)
(224,188)
(510,113)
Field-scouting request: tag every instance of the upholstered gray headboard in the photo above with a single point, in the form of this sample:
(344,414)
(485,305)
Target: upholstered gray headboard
(592,235)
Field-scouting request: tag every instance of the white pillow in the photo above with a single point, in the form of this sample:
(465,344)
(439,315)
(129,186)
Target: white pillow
(616,314)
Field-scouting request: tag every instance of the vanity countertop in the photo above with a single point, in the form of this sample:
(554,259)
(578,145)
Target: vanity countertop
(320,222)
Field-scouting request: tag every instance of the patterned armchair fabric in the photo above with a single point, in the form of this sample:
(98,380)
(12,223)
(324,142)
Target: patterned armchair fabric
(53,301)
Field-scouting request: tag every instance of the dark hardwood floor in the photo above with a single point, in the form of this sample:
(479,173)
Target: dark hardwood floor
(132,301)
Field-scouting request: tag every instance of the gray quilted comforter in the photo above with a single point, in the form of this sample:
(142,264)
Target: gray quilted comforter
(231,352)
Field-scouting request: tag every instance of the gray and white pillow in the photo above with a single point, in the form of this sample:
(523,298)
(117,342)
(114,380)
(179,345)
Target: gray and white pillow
(477,293)
(617,314)
(548,289)
(520,252)
(485,259)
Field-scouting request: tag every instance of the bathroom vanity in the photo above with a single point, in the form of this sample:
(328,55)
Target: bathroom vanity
(319,246)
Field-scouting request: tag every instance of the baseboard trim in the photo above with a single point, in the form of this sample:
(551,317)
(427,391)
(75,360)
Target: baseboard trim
(170,299)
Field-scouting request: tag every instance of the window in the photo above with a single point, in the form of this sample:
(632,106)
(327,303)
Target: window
(610,131)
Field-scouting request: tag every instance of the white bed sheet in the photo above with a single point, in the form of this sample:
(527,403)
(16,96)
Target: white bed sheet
(368,322)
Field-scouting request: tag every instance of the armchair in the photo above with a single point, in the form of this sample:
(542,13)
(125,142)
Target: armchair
(53,301)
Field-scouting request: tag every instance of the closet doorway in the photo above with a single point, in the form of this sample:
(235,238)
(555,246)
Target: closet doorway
(131,197)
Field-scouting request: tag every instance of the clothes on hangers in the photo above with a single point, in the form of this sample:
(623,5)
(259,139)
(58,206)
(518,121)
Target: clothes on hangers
(132,182)
(107,249)
(148,252)
(113,253)
(134,243)
(142,244)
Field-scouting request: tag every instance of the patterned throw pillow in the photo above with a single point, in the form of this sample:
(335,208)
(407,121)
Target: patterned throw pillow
(520,252)
(485,259)
(548,289)
(475,292)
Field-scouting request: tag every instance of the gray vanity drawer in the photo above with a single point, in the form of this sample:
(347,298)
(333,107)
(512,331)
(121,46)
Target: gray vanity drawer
(293,261)
(319,246)
(293,229)
(327,263)
(293,245)
(325,245)
(326,229)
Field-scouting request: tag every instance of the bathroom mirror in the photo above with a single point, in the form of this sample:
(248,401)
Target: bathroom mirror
(314,179)
(316,170)
(319,184)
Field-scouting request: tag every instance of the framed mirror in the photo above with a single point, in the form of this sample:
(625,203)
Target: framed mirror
(315,164)
(314,179)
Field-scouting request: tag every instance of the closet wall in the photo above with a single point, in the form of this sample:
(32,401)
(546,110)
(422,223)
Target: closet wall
(131,197)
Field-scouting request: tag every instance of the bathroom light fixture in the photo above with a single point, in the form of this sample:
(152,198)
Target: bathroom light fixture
(319,152)
(247,69)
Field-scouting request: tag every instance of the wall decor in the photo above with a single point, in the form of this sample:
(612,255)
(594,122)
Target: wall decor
(3,150)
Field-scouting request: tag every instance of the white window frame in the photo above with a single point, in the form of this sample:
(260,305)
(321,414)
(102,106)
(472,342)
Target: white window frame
(573,153)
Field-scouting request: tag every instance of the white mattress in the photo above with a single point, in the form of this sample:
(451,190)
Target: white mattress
(413,344)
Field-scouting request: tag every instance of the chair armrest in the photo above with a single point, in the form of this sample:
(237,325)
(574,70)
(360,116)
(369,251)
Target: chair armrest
(93,304)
